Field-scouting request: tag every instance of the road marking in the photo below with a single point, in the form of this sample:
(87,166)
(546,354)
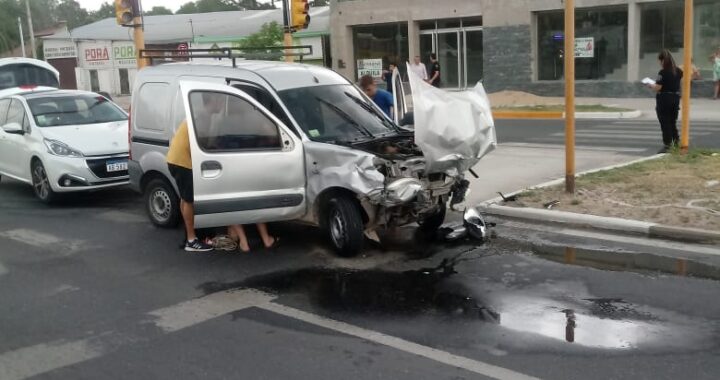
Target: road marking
(44,240)
(439,356)
(202,309)
(34,360)
(629,136)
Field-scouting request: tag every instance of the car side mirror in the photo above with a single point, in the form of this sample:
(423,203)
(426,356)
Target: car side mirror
(14,129)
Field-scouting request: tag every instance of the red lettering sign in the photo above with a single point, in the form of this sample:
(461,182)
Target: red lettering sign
(97,54)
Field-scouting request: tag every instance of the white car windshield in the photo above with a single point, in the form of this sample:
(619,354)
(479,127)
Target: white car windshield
(23,74)
(55,111)
(336,113)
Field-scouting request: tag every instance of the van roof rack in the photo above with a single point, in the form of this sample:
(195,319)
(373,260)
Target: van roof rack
(232,53)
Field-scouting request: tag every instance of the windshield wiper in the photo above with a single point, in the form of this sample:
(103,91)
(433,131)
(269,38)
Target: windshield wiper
(347,117)
(374,111)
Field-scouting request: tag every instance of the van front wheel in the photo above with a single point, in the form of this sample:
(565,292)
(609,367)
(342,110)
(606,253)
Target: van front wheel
(344,226)
(162,204)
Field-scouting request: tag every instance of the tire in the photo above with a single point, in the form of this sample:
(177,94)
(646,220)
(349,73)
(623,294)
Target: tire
(41,183)
(161,203)
(430,224)
(344,226)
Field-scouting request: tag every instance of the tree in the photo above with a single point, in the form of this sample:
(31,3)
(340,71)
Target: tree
(270,34)
(250,4)
(205,6)
(106,10)
(158,10)
(72,12)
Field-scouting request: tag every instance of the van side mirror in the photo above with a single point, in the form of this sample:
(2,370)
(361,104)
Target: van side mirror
(13,129)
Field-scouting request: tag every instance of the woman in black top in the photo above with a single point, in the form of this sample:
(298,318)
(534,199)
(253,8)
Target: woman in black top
(667,100)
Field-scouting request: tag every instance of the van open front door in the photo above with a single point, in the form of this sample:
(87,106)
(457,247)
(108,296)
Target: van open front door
(247,166)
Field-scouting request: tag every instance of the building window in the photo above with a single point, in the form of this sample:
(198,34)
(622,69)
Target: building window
(662,28)
(604,29)
(94,81)
(388,42)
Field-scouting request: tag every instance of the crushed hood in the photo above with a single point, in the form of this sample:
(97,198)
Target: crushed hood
(453,129)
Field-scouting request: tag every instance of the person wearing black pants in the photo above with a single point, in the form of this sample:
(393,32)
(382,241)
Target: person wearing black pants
(667,99)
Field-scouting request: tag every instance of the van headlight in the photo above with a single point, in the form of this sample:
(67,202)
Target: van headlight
(61,149)
(403,190)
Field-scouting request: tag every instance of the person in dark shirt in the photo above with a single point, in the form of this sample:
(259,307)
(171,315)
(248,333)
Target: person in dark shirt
(387,77)
(382,98)
(667,99)
(434,71)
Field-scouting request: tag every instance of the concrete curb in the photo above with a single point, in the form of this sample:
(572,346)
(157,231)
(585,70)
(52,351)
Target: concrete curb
(617,225)
(561,115)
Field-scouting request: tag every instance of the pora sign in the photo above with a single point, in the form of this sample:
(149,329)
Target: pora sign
(97,54)
(107,56)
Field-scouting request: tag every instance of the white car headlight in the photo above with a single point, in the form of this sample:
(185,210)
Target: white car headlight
(61,149)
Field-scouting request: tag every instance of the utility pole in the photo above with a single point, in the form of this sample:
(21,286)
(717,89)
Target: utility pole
(22,38)
(288,40)
(570,96)
(687,76)
(30,28)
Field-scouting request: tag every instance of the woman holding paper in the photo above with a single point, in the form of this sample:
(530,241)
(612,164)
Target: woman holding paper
(667,100)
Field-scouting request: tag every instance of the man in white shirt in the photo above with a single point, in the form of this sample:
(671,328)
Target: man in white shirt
(419,68)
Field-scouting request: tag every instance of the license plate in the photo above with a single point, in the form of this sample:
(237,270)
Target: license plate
(116,166)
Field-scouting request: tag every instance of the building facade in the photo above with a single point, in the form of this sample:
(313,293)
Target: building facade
(518,44)
(101,56)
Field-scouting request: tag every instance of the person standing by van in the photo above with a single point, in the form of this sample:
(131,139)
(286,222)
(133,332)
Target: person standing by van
(382,98)
(434,71)
(180,165)
(715,60)
(667,99)
(419,68)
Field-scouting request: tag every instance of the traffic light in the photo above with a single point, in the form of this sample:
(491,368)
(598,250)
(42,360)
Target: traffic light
(299,17)
(125,11)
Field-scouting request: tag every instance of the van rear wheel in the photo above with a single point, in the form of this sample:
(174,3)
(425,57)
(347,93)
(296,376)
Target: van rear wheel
(162,204)
(344,226)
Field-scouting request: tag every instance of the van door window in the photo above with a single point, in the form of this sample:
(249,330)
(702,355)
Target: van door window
(4,105)
(267,101)
(225,123)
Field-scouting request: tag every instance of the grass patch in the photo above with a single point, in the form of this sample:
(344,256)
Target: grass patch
(677,189)
(561,108)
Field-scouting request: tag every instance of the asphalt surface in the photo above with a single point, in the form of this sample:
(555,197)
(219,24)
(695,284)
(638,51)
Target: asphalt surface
(641,137)
(89,290)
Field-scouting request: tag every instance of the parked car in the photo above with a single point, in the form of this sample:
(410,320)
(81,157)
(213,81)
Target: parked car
(17,73)
(63,141)
(293,142)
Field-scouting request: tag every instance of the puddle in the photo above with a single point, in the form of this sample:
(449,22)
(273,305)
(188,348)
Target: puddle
(374,292)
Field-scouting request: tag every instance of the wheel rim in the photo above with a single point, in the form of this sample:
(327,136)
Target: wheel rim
(40,182)
(160,205)
(337,228)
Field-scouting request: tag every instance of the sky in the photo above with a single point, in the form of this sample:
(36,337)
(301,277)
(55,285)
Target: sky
(173,5)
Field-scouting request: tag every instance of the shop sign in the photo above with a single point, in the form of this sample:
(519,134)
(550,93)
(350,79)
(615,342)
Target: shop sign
(585,47)
(59,52)
(96,56)
(372,67)
(124,55)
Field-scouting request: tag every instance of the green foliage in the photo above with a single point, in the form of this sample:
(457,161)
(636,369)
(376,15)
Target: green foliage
(157,11)
(205,6)
(72,12)
(270,34)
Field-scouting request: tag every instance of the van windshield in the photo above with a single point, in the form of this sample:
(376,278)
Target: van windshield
(55,111)
(23,74)
(336,113)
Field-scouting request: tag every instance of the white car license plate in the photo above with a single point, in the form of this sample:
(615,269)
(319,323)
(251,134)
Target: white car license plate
(116,166)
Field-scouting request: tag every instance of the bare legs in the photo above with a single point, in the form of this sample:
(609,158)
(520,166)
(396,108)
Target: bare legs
(717,89)
(188,214)
(238,231)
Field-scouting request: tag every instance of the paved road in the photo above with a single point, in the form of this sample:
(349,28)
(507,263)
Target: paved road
(89,290)
(639,137)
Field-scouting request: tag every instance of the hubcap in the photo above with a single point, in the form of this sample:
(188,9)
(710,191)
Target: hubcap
(160,205)
(337,228)
(40,182)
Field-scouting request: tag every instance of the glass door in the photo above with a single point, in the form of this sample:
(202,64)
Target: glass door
(448,54)
(472,56)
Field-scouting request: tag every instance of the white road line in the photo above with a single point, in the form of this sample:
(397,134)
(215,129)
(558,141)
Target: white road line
(633,136)
(186,314)
(34,360)
(444,357)
(31,237)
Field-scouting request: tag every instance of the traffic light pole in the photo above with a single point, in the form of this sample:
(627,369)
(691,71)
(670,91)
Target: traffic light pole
(288,40)
(139,39)
(570,96)
(687,77)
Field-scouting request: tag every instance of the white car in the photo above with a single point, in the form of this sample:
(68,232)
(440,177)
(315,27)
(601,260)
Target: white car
(63,141)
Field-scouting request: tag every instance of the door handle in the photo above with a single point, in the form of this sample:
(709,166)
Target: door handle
(210,169)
